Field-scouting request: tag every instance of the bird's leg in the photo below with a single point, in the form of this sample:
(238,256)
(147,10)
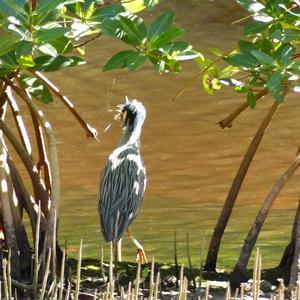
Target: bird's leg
(141,256)
(118,250)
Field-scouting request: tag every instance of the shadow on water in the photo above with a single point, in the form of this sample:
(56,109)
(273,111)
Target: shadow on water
(190,161)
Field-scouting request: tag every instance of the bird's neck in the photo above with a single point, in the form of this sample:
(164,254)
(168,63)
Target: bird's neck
(132,137)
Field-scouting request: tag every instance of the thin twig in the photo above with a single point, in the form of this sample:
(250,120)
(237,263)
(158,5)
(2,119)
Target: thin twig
(88,41)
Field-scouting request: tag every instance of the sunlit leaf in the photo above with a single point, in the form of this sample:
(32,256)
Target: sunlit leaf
(134,28)
(160,25)
(107,12)
(134,6)
(37,89)
(118,61)
(50,34)
(49,64)
(166,37)
(26,61)
(48,49)
(135,60)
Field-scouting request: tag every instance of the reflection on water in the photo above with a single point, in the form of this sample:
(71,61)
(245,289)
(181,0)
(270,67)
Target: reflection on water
(190,161)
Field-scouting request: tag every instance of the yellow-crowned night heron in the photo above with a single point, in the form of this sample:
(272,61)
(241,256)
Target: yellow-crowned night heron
(123,179)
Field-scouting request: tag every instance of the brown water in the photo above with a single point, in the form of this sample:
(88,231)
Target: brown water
(190,161)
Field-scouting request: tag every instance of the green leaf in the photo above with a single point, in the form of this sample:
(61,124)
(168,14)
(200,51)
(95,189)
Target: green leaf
(284,54)
(36,88)
(255,27)
(45,6)
(246,47)
(112,27)
(275,87)
(7,43)
(23,48)
(134,28)
(48,63)
(251,99)
(286,35)
(48,49)
(263,58)
(50,34)
(166,37)
(119,60)
(107,12)
(135,59)
(14,8)
(160,25)
(62,45)
(242,60)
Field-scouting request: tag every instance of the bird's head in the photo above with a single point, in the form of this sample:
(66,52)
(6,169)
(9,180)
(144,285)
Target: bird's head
(132,113)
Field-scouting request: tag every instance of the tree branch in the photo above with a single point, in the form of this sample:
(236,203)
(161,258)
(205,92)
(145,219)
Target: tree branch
(91,132)
(227,122)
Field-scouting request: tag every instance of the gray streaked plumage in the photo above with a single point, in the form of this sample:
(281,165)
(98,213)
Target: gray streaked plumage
(123,180)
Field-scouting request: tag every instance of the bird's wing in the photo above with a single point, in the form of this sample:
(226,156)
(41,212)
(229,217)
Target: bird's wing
(122,187)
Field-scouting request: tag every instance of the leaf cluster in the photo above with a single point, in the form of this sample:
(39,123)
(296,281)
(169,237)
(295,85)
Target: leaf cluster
(266,58)
(47,36)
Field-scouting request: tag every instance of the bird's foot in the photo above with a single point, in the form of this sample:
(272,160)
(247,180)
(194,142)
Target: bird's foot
(141,256)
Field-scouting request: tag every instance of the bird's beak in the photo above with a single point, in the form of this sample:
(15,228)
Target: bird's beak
(123,117)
